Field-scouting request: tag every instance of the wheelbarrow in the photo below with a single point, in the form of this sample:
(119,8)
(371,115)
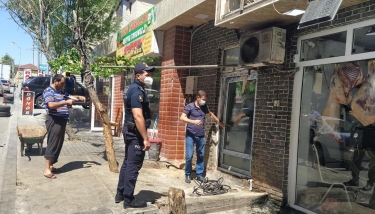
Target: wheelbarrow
(30,135)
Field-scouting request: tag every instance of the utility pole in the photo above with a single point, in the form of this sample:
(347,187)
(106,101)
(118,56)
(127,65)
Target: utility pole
(1,67)
(33,52)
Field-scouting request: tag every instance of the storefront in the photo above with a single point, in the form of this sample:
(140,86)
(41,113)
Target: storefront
(295,143)
(332,101)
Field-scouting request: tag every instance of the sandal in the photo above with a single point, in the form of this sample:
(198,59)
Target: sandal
(50,176)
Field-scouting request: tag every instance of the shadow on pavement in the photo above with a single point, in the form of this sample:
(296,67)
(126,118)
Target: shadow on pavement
(149,196)
(77,165)
(33,152)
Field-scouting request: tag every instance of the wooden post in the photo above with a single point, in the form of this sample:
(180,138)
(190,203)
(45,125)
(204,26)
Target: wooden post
(176,200)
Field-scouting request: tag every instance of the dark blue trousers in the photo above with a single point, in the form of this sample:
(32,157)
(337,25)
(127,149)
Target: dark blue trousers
(133,161)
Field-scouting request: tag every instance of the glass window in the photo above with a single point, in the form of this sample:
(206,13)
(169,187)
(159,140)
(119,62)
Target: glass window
(230,5)
(327,46)
(231,56)
(102,92)
(153,95)
(336,139)
(39,81)
(364,40)
(237,137)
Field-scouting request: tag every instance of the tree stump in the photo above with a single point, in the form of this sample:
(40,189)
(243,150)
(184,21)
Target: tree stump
(176,200)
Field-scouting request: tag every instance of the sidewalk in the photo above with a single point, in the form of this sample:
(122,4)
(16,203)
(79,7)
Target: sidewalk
(87,186)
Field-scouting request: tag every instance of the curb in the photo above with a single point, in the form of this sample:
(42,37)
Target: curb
(8,168)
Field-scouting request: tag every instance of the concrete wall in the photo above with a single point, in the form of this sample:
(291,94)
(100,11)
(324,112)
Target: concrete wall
(167,10)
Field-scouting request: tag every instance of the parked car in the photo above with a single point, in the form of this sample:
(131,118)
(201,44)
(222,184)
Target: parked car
(335,151)
(38,84)
(6,85)
(1,89)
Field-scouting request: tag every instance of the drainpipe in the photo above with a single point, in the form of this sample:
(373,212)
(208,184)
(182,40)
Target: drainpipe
(251,184)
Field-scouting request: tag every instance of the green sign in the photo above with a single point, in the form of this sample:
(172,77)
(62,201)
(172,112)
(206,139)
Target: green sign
(137,28)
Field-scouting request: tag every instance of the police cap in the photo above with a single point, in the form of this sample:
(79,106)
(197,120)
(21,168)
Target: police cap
(141,66)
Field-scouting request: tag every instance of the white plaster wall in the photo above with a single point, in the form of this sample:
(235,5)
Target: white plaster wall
(167,10)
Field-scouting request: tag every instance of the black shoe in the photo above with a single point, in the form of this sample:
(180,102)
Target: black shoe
(187,179)
(119,197)
(351,183)
(201,179)
(368,187)
(135,203)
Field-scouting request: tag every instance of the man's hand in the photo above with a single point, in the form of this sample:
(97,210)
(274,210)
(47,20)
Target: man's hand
(70,102)
(197,122)
(82,98)
(147,145)
(221,125)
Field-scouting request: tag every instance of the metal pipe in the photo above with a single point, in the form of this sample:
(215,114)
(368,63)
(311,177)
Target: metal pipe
(182,66)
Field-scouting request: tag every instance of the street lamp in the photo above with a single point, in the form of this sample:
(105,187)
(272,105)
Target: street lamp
(19,61)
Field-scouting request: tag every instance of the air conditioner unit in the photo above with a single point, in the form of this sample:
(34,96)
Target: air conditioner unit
(263,47)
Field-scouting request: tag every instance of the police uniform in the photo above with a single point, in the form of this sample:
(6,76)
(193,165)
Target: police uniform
(134,97)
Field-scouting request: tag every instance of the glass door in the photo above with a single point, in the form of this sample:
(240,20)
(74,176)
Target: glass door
(237,137)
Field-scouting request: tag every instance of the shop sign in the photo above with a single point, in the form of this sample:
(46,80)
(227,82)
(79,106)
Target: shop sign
(26,74)
(43,67)
(137,38)
(28,103)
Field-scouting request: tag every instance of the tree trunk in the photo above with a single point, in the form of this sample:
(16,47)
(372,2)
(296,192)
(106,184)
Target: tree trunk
(103,113)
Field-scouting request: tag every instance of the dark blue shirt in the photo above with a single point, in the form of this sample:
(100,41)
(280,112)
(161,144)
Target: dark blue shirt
(135,97)
(195,113)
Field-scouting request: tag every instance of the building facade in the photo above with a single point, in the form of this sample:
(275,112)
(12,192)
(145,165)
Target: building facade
(311,113)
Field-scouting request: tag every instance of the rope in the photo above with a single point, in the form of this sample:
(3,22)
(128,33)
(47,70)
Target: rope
(210,187)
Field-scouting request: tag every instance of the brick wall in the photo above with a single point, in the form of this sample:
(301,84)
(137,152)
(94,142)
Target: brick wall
(171,130)
(271,132)
(272,124)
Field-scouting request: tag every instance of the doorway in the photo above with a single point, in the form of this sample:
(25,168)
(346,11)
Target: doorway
(237,137)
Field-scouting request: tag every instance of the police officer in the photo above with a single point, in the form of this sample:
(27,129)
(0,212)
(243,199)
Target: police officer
(137,120)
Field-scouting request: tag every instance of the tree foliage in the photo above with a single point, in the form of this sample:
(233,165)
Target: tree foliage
(72,62)
(7,59)
(50,23)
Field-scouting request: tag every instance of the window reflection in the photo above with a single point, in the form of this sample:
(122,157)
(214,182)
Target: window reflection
(327,46)
(336,151)
(364,40)
(231,56)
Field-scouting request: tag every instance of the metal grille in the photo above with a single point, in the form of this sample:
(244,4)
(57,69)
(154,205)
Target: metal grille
(319,11)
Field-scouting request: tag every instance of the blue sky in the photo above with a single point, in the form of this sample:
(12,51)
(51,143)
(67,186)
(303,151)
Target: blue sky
(11,32)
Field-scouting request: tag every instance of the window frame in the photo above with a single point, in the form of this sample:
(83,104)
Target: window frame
(297,90)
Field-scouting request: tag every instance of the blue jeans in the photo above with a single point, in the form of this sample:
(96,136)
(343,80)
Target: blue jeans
(199,144)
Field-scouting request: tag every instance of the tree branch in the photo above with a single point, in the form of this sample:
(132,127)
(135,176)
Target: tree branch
(91,19)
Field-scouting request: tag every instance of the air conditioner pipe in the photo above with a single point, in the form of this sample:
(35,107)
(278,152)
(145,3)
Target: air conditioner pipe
(182,66)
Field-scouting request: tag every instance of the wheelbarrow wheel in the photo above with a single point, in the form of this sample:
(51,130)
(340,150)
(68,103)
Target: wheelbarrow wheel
(29,147)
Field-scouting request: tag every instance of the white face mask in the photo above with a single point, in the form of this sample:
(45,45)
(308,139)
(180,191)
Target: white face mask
(148,82)
(202,102)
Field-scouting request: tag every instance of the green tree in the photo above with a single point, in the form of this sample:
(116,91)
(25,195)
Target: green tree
(8,60)
(82,24)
